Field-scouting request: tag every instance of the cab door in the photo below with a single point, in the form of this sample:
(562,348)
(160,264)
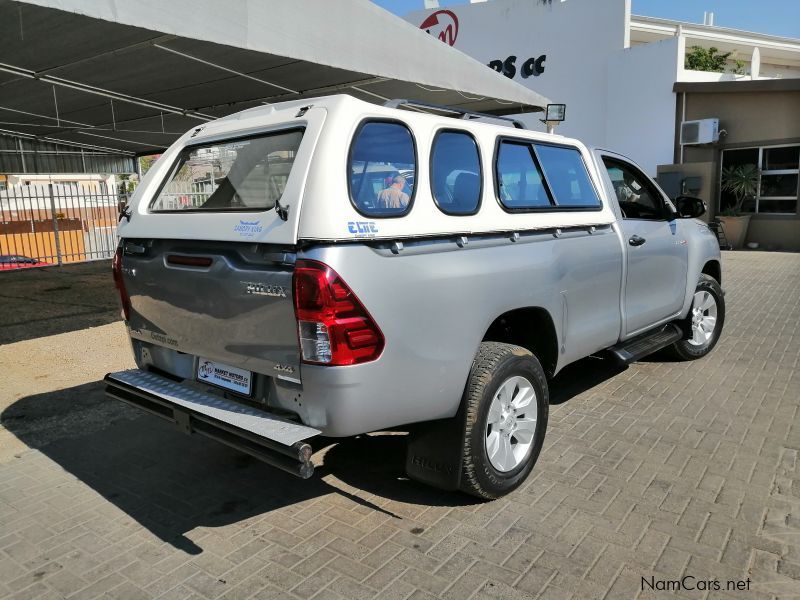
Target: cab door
(656,252)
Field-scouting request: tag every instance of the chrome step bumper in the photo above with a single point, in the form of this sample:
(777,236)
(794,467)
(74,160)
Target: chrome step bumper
(276,441)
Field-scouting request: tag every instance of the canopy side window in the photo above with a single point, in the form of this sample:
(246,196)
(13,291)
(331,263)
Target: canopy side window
(382,168)
(569,180)
(456,177)
(519,182)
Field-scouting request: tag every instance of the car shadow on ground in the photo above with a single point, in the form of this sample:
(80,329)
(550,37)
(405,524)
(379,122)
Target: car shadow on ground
(581,376)
(172,483)
(46,301)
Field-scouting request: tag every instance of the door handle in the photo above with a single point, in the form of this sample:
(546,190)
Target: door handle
(636,240)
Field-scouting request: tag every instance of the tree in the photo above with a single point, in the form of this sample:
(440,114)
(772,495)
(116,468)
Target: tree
(145,162)
(700,59)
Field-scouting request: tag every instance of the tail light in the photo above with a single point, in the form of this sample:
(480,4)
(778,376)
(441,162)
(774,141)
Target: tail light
(333,326)
(116,269)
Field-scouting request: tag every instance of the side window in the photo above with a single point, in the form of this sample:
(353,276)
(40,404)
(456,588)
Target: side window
(456,173)
(566,173)
(637,197)
(382,168)
(519,179)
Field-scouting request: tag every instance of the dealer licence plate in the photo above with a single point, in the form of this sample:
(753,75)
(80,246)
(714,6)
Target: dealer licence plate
(224,376)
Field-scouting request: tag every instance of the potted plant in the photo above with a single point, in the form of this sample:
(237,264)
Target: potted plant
(742,182)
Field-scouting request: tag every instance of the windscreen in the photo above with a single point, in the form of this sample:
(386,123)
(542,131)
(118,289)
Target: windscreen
(246,174)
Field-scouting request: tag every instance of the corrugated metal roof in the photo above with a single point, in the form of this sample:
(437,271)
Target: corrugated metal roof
(133,76)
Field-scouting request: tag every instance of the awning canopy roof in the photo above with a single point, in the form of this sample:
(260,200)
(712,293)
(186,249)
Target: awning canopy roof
(133,75)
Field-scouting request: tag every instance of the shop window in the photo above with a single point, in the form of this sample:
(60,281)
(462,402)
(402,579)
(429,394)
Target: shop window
(456,173)
(382,169)
(778,179)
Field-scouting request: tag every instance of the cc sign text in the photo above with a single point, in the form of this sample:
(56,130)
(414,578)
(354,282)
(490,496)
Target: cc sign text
(533,66)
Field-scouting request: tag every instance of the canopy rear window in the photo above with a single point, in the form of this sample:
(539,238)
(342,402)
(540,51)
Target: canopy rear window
(247,174)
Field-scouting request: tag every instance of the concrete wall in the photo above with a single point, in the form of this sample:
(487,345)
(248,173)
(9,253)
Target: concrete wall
(640,104)
(750,119)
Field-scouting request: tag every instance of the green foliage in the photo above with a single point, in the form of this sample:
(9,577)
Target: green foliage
(739,67)
(127,183)
(700,59)
(742,182)
(145,162)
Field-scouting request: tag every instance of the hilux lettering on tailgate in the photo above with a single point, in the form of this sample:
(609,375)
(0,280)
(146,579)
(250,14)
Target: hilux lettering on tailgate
(264,289)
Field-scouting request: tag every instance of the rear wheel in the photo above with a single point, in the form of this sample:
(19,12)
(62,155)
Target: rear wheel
(506,403)
(703,326)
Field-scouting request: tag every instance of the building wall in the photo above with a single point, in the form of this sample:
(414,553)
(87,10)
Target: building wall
(577,37)
(86,181)
(750,119)
(640,102)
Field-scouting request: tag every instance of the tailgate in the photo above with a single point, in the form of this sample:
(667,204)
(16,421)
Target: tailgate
(228,302)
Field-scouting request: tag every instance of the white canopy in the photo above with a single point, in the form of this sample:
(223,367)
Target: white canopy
(132,75)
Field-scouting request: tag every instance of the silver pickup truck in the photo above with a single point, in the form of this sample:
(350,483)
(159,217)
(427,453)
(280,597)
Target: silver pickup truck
(333,267)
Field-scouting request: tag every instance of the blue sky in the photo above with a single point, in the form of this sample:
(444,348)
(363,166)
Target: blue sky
(776,17)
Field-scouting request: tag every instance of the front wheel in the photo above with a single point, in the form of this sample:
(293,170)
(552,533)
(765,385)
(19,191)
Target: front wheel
(507,402)
(703,325)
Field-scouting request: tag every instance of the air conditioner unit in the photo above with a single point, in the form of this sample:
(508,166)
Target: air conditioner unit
(704,131)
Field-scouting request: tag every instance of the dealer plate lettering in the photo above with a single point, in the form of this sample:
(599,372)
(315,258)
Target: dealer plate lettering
(224,376)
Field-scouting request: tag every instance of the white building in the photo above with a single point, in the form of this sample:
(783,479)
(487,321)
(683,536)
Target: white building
(615,71)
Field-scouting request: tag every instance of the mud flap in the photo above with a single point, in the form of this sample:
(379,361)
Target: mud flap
(435,451)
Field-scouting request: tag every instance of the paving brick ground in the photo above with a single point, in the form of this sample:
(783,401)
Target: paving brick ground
(662,471)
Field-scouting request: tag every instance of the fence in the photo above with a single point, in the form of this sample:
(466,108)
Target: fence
(57,224)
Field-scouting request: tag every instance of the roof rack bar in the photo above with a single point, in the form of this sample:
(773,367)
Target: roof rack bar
(463,112)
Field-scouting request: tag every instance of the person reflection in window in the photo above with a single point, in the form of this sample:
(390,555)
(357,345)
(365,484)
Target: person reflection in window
(394,197)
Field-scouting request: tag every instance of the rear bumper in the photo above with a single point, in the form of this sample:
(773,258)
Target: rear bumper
(276,441)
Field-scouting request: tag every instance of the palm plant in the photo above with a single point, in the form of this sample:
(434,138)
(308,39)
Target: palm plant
(742,182)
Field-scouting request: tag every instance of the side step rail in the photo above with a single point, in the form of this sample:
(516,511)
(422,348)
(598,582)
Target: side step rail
(643,345)
(271,439)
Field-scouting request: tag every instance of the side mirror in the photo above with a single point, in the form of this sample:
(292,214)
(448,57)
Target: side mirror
(689,207)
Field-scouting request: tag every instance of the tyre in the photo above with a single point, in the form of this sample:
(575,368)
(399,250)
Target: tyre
(703,326)
(506,405)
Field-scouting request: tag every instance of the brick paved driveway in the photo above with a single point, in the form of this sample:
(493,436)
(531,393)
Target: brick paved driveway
(662,470)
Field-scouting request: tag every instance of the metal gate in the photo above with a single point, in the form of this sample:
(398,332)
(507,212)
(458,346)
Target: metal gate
(57,223)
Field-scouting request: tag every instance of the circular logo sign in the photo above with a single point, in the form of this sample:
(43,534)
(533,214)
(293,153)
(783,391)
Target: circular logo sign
(443,24)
